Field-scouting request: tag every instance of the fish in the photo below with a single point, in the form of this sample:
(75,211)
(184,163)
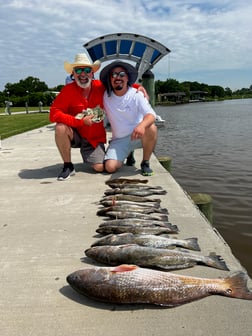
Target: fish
(132,198)
(134,186)
(108,203)
(134,214)
(147,240)
(131,207)
(130,284)
(136,222)
(135,192)
(126,181)
(152,257)
(155,230)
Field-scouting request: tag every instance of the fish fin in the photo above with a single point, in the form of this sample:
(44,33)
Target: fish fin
(187,264)
(193,244)
(216,261)
(238,286)
(124,268)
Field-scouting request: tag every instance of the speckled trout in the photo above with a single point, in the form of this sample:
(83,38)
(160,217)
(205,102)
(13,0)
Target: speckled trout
(152,257)
(131,207)
(131,284)
(131,198)
(126,181)
(147,240)
(154,229)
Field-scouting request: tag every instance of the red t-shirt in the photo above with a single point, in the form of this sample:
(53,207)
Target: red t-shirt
(70,101)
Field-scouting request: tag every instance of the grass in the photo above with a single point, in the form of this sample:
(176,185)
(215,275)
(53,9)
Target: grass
(18,123)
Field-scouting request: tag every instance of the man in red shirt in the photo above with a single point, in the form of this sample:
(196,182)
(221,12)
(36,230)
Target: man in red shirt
(70,131)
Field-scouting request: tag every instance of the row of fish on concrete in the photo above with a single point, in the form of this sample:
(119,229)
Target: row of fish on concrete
(138,252)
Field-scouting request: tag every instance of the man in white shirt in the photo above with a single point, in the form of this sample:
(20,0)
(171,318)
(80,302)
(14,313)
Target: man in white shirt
(130,115)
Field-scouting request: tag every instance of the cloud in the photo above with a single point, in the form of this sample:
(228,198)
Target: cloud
(208,40)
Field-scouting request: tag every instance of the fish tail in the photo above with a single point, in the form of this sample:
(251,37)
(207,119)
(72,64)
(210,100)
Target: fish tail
(216,261)
(237,286)
(164,210)
(160,192)
(174,228)
(102,212)
(192,244)
(163,217)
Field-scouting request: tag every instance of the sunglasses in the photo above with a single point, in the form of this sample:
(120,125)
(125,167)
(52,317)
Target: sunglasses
(121,74)
(78,71)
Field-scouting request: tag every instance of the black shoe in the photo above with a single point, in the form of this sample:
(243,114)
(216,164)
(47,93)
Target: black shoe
(145,168)
(130,159)
(66,172)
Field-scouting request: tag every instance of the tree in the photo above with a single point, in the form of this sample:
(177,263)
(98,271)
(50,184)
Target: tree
(25,86)
(217,91)
(228,92)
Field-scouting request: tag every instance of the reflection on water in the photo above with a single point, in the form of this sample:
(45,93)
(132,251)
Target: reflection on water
(213,142)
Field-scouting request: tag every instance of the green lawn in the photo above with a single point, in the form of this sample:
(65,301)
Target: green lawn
(18,123)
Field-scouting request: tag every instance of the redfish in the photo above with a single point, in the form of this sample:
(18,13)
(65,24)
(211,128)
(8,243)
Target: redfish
(129,284)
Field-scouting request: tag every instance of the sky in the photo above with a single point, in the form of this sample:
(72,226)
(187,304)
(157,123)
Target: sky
(210,41)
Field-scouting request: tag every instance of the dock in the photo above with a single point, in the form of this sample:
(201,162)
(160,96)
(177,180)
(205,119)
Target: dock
(46,226)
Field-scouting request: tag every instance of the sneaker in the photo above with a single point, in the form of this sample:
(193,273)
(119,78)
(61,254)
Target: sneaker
(130,159)
(66,173)
(145,168)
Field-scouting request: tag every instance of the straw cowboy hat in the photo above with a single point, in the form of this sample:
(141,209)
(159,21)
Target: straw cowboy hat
(130,69)
(81,60)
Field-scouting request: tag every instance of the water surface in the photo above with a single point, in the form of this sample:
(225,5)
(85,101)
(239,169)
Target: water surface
(210,145)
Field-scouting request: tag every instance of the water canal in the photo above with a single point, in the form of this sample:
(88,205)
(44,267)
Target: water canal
(211,149)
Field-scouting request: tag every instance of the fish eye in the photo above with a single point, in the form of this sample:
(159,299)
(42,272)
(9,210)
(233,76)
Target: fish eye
(229,291)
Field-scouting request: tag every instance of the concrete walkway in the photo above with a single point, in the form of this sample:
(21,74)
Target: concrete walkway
(45,227)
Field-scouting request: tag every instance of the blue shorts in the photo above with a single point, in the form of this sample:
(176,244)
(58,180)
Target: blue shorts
(120,148)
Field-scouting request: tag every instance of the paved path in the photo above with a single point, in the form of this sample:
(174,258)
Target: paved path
(45,227)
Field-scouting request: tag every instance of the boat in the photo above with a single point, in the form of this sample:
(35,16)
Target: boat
(159,121)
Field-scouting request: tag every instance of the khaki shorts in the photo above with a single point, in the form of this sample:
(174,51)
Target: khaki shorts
(89,154)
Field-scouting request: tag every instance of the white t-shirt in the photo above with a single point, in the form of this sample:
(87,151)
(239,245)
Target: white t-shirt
(125,112)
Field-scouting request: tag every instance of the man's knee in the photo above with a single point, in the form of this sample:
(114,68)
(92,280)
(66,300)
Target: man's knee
(111,166)
(153,129)
(98,167)
(63,132)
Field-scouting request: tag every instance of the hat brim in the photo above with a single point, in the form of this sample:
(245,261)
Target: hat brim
(70,66)
(130,69)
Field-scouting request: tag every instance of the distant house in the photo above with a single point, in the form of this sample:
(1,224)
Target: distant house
(197,96)
(175,97)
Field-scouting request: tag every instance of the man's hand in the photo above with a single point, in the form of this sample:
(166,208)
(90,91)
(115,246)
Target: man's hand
(88,120)
(138,132)
(142,89)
